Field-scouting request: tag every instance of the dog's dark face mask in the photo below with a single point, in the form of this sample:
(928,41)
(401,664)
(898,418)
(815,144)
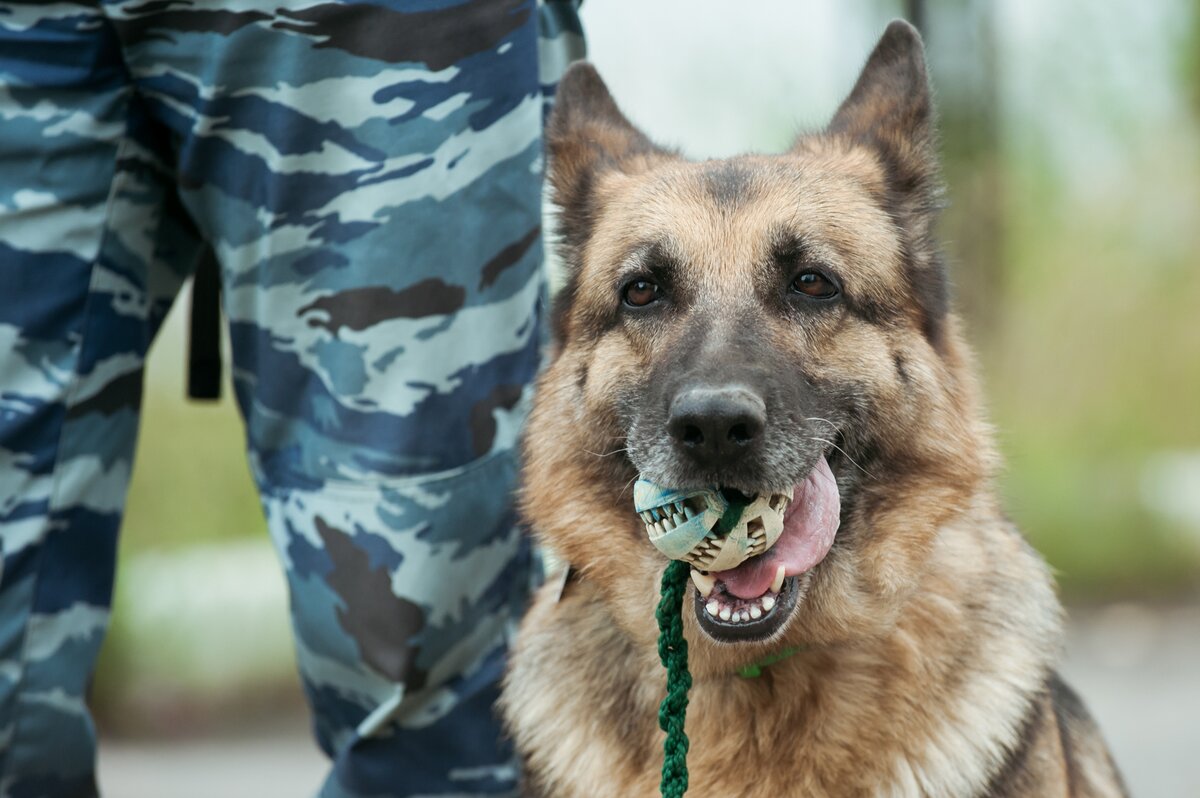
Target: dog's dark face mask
(722,404)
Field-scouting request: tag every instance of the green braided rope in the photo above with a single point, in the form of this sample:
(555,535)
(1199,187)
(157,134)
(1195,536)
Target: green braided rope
(672,650)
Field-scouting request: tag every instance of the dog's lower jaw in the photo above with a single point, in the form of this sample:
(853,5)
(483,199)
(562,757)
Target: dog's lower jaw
(728,619)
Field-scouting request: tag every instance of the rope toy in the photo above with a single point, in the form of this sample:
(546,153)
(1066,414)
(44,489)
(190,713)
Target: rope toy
(711,529)
(673,652)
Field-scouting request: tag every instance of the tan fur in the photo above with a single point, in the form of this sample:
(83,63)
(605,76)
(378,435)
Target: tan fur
(931,629)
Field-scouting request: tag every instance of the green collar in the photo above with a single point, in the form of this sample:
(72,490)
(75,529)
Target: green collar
(755,669)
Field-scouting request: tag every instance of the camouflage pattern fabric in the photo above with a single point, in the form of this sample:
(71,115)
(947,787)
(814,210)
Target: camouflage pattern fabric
(368,176)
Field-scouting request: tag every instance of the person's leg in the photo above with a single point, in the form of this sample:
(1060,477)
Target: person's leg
(89,262)
(369,176)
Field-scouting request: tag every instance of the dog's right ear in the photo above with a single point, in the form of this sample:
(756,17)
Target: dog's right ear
(587,134)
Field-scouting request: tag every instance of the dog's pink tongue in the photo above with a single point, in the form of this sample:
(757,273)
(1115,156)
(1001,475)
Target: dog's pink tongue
(809,525)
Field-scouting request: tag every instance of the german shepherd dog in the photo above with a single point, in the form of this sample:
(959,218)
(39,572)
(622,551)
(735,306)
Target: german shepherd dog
(768,324)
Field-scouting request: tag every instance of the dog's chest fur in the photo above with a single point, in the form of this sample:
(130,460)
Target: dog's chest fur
(880,717)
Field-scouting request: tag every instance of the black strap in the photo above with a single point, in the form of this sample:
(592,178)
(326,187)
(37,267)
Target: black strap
(204,330)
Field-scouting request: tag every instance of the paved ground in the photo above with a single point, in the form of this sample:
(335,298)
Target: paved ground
(281,762)
(1139,671)
(1138,668)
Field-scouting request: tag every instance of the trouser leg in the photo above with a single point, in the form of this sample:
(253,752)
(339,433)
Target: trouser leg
(90,258)
(369,176)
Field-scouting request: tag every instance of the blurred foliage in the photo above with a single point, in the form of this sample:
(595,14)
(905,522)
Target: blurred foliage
(1189,59)
(1093,369)
(200,628)
(1096,369)
(191,482)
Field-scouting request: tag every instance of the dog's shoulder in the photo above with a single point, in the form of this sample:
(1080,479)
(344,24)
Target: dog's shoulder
(1090,767)
(1059,750)
(570,699)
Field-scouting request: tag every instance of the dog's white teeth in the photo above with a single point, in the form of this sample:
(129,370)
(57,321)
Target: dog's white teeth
(777,583)
(704,582)
(740,610)
(688,512)
(677,519)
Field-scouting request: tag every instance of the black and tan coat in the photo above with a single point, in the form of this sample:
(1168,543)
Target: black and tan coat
(931,630)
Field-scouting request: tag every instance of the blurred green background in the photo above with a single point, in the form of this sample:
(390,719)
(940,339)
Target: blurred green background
(1070,134)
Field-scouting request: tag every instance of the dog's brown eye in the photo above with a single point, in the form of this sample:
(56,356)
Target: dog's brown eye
(640,293)
(815,285)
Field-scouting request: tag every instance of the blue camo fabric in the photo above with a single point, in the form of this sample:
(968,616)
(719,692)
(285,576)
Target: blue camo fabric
(368,176)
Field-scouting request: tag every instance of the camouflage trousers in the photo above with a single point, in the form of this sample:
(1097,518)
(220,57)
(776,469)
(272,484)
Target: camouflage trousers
(368,177)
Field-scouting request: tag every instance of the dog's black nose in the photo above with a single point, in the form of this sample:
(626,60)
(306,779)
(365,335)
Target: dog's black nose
(716,424)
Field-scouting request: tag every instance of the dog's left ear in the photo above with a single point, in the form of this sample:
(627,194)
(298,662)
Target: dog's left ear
(890,110)
(587,134)
(891,105)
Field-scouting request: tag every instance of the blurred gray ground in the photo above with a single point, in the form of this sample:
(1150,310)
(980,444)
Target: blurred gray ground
(1136,666)
(1138,669)
(277,761)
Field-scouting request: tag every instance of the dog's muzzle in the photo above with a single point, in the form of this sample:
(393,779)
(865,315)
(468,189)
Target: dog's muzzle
(707,528)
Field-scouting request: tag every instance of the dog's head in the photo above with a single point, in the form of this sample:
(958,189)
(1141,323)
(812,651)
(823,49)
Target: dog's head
(762,326)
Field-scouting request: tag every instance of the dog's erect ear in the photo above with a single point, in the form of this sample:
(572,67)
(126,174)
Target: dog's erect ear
(891,104)
(890,109)
(587,134)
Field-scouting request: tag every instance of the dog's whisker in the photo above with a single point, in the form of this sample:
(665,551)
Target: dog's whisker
(629,484)
(844,452)
(606,454)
